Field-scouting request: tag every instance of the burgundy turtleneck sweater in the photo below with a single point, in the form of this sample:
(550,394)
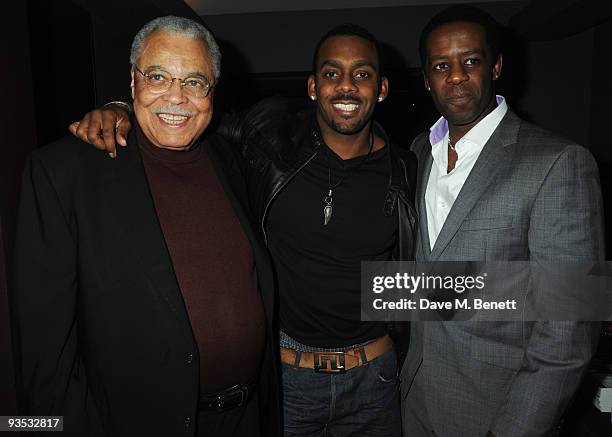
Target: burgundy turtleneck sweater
(212,260)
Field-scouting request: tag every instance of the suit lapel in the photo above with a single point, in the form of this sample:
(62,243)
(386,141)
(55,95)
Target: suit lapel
(233,184)
(424,168)
(491,160)
(133,216)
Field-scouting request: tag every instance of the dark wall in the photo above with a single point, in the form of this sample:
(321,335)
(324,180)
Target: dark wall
(18,138)
(8,399)
(58,73)
(600,116)
(284,41)
(601,91)
(556,92)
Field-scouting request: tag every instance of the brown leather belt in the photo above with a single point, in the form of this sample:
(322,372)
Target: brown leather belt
(336,362)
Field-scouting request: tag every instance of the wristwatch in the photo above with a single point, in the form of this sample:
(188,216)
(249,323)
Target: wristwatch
(124,105)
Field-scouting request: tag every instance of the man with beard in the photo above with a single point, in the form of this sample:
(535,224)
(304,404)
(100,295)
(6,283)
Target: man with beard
(492,187)
(329,190)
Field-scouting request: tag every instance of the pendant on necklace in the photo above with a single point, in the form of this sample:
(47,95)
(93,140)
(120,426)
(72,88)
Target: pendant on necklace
(327,211)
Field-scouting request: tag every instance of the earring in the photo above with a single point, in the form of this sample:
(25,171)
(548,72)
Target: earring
(381,98)
(428,89)
(313,98)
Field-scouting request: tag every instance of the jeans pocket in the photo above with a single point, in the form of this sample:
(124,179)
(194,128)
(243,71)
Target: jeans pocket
(385,367)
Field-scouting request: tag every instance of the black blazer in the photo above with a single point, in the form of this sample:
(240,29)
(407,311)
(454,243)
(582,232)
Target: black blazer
(101,329)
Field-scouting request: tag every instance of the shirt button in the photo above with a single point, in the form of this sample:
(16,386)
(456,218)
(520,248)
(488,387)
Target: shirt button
(189,358)
(187,422)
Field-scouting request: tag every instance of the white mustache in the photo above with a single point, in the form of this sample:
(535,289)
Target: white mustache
(173,110)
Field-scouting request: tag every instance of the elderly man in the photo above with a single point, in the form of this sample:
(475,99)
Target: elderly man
(492,187)
(143,298)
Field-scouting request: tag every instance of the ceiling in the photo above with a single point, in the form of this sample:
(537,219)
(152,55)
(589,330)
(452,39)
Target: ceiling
(217,7)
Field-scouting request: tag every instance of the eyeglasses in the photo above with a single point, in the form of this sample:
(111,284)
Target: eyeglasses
(160,81)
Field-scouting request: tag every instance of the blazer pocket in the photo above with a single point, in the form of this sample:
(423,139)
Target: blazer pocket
(483,224)
(497,354)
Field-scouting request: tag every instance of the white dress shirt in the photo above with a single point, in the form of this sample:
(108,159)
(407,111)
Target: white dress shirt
(442,187)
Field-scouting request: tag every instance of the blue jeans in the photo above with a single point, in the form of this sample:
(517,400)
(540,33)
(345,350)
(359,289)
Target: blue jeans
(364,401)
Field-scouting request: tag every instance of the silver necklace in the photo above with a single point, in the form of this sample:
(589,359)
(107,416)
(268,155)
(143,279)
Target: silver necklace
(328,209)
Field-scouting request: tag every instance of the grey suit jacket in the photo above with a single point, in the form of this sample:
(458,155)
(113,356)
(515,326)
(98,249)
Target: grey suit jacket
(530,196)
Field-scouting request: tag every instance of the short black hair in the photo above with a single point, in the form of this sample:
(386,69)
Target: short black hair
(350,29)
(468,14)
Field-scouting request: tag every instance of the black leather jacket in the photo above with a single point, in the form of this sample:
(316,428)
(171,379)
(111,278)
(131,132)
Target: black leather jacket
(277,143)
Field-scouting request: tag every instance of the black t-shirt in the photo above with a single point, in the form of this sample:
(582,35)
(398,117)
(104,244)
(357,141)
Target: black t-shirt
(319,267)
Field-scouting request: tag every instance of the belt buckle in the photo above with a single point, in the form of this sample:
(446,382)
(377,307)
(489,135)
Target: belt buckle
(219,403)
(329,362)
(235,392)
(244,394)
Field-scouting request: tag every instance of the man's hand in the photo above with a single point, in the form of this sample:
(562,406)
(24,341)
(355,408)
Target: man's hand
(103,127)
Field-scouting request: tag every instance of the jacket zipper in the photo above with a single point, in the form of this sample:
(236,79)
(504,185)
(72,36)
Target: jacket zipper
(278,190)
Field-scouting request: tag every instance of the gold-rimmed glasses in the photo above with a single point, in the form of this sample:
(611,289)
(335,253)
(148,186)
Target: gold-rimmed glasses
(160,81)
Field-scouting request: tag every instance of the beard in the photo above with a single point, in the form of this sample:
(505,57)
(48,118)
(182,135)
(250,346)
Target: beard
(346,126)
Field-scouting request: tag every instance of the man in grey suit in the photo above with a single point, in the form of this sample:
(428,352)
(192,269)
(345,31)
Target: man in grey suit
(492,187)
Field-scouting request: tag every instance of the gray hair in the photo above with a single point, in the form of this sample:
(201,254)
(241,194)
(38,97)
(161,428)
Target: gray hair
(181,26)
